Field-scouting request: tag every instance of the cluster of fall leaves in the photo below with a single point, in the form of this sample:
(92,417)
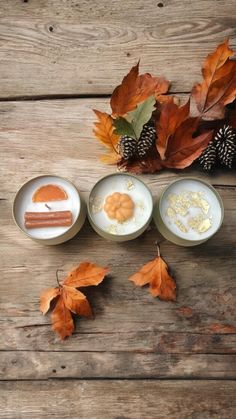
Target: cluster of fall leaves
(181,137)
(66,299)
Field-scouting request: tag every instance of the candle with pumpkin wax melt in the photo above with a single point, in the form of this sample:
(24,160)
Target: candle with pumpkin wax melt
(49,209)
(189,212)
(120,207)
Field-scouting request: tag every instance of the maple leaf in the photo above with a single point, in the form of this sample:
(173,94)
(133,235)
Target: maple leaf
(170,118)
(69,299)
(104,131)
(155,273)
(134,89)
(219,83)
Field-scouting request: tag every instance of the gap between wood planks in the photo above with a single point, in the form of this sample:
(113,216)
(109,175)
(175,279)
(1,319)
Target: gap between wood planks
(118,379)
(67,96)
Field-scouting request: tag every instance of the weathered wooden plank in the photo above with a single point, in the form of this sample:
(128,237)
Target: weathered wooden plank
(86,47)
(56,136)
(118,399)
(205,305)
(15,365)
(29,129)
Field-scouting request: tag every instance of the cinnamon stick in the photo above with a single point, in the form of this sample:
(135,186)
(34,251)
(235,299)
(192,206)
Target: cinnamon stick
(52,215)
(61,222)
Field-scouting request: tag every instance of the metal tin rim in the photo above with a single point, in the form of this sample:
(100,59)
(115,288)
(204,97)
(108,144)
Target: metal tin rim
(18,192)
(119,236)
(210,187)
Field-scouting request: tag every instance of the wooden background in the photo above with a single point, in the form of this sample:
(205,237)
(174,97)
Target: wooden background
(140,358)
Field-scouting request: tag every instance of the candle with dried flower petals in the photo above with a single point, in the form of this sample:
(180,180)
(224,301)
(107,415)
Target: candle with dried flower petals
(120,207)
(49,209)
(189,212)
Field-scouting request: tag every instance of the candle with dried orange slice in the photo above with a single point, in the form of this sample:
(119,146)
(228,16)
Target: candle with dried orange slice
(47,193)
(49,209)
(120,207)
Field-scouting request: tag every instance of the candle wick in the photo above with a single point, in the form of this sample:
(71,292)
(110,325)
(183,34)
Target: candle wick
(46,205)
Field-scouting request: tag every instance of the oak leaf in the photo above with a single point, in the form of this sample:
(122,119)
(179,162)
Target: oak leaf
(70,300)
(134,89)
(155,273)
(104,131)
(218,87)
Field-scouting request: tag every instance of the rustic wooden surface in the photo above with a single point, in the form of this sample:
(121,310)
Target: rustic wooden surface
(140,357)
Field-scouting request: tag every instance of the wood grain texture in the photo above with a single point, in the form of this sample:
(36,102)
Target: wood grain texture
(86,47)
(20,365)
(118,400)
(72,48)
(189,337)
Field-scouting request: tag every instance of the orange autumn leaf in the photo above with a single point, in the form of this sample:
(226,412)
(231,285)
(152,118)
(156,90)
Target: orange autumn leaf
(62,321)
(170,118)
(134,89)
(46,297)
(76,301)
(219,83)
(69,299)
(155,273)
(104,132)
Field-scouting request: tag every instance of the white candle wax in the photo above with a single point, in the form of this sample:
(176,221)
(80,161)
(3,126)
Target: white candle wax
(121,183)
(191,210)
(23,203)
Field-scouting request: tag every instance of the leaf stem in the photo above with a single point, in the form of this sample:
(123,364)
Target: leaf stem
(58,270)
(158,249)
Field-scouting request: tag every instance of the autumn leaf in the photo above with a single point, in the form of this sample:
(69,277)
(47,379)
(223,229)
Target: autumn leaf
(183,148)
(134,121)
(84,275)
(104,131)
(69,299)
(134,89)
(150,164)
(155,273)
(219,83)
(170,118)
(62,321)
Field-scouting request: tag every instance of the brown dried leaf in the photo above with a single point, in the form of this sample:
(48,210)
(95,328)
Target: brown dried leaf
(219,83)
(70,299)
(62,321)
(46,297)
(183,148)
(134,89)
(155,273)
(170,118)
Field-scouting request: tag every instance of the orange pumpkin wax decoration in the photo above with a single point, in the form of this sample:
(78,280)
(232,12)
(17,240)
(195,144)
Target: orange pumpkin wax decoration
(48,193)
(119,206)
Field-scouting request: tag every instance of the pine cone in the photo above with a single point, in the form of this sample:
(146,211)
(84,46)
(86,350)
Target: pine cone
(225,140)
(147,140)
(209,157)
(127,147)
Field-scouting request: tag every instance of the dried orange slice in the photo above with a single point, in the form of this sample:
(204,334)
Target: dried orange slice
(48,193)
